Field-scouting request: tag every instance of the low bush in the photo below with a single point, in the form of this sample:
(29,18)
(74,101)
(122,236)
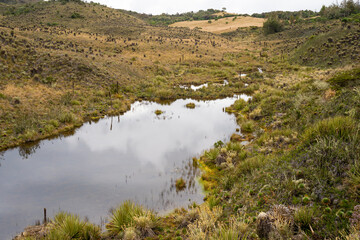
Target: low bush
(273,25)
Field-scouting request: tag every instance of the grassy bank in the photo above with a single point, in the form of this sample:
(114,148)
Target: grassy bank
(298,178)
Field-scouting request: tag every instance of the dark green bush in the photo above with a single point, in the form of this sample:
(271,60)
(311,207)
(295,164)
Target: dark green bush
(76,15)
(273,25)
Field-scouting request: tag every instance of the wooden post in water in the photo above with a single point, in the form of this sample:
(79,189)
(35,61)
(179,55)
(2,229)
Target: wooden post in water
(45,220)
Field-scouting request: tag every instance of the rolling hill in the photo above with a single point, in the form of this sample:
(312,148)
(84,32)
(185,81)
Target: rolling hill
(222,25)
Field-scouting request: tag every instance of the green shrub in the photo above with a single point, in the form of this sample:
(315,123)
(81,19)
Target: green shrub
(76,15)
(239,104)
(272,25)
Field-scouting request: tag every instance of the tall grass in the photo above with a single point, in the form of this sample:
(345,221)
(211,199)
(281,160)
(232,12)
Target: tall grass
(341,128)
(129,214)
(249,165)
(67,226)
(212,154)
(304,217)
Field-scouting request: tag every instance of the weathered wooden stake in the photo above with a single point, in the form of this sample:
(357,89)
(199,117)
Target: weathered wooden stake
(45,219)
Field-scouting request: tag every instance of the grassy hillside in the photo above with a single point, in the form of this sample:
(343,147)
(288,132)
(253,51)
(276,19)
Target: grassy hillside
(73,15)
(298,178)
(222,25)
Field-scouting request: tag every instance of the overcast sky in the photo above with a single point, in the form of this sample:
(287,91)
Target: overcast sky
(232,6)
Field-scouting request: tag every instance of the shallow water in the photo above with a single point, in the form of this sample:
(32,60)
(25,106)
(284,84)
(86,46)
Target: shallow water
(135,156)
(205,85)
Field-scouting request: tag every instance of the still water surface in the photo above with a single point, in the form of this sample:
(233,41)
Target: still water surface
(135,156)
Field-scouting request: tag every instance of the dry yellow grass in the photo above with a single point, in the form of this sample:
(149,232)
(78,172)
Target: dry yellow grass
(31,94)
(222,25)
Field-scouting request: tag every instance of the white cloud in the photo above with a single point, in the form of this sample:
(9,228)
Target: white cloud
(236,6)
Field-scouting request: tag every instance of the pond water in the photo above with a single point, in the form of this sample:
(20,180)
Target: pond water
(136,156)
(205,85)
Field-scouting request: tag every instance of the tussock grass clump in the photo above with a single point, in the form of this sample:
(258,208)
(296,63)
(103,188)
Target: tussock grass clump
(304,217)
(250,164)
(212,154)
(239,104)
(346,79)
(248,127)
(209,225)
(206,222)
(234,230)
(234,146)
(180,184)
(341,128)
(68,226)
(333,155)
(128,215)
(67,117)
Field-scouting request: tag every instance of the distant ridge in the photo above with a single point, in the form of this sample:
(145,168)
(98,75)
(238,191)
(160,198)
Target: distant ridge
(18,1)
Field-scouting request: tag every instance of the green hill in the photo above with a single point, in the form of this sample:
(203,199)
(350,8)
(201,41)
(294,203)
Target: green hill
(78,16)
